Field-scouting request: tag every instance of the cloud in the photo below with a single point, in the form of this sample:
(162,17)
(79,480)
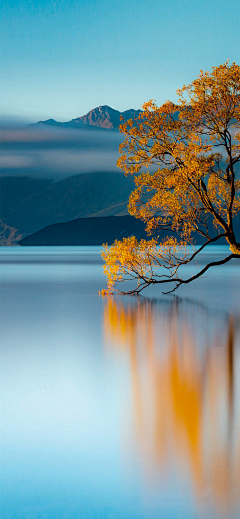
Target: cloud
(79,160)
(57,153)
(14,161)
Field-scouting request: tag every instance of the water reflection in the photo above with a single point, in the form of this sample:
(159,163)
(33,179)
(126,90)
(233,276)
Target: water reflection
(184,367)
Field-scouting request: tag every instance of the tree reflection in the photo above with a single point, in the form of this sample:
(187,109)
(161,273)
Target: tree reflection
(184,368)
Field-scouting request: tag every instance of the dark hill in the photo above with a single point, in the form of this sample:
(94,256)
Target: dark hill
(87,231)
(96,231)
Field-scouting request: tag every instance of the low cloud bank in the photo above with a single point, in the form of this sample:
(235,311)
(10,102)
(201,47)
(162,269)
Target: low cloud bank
(55,152)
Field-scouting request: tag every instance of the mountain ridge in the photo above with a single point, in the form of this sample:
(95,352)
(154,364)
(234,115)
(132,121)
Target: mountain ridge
(87,231)
(97,230)
(102,117)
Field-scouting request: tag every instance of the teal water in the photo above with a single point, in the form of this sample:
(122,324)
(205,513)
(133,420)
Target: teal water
(117,407)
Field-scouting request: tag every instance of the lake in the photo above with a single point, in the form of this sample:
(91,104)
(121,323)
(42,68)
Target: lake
(117,407)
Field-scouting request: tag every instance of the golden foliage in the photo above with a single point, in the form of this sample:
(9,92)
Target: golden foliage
(129,259)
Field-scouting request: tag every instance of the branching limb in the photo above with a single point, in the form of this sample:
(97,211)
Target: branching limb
(179,281)
(201,272)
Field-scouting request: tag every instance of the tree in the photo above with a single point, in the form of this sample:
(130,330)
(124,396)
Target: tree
(185,160)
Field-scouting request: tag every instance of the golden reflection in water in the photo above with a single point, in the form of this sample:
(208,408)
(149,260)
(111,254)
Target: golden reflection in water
(184,368)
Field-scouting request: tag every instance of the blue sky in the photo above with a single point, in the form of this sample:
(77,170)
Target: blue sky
(62,58)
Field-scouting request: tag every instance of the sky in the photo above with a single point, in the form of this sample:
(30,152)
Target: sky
(60,59)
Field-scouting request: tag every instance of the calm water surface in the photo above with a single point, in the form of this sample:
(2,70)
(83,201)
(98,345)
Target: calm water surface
(117,407)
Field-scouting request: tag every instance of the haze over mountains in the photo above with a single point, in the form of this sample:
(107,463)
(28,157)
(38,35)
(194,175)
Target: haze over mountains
(54,172)
(50,149)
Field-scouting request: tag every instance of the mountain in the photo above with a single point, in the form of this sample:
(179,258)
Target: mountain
(14,190)
(30,204)
(87,231)
(103,117)
(106,117)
